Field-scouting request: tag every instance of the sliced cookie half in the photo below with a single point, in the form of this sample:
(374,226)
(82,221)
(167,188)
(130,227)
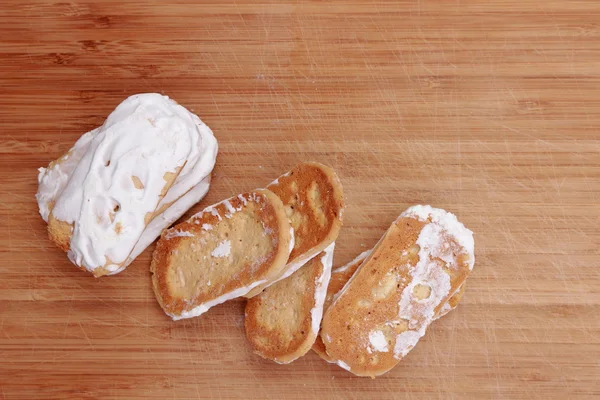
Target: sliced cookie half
(221,253)
(340,276)
(314,201)
(386,307)
(282,322)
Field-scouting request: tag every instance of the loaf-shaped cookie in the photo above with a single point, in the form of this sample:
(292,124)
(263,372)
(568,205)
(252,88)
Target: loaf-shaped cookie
(283,321)
(100,197)
(221,253)
(386,307)
(314,201)
(340,276)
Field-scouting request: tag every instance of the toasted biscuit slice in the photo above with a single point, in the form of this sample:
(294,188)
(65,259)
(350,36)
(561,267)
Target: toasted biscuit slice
(340,276)
(387,305)
(314,201)
(283,321)
(221,253)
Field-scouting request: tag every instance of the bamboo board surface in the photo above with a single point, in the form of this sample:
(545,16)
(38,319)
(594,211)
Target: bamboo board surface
(490,110)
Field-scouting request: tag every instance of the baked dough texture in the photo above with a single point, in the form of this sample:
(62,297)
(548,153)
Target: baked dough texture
(221,253)
(283,321)
(386,307)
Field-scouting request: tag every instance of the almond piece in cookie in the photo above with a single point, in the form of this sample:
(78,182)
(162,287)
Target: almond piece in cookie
(314,202)
(221,253)
(283,321)
(386,307)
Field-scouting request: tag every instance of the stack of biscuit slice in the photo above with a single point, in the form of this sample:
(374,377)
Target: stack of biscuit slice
(277,237)
(121,184)
(414,275)
(275,247)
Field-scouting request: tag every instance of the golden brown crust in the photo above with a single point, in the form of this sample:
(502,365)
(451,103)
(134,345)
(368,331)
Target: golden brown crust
(370,303)
(59,232)
(279,320)
(314,201)
(225,248)
(452,302)
(313,196)
(339,278)
(457,297)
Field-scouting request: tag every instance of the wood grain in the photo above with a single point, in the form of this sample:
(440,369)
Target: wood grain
(488,109)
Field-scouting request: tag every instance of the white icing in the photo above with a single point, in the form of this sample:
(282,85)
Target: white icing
(433,245)
(378,341)
(146,136)
(231,209)
(446,308)
(343,365)
(359,258)
(202,308)
(222,250)
(449,223)
(213,211)
(52,180)
(321,283)
(276,181)
(362,256)
(207,227)
(170,215)
(405,342)
(171,233)
(292,240)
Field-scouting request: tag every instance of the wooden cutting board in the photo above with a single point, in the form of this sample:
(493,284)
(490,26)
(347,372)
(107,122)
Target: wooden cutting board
(487,109)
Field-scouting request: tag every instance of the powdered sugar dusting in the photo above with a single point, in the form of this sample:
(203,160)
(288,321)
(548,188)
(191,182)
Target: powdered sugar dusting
(222,250)
(321,288)
(434,245)
(451,225)
(446,308)
(361,257)
(171,233)
(292,240)
(378,341)
(405,343)
(202,308)
(343,365)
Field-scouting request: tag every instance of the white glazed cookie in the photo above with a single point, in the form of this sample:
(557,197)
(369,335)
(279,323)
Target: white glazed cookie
(103,195)
(386,307)
(341,275)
